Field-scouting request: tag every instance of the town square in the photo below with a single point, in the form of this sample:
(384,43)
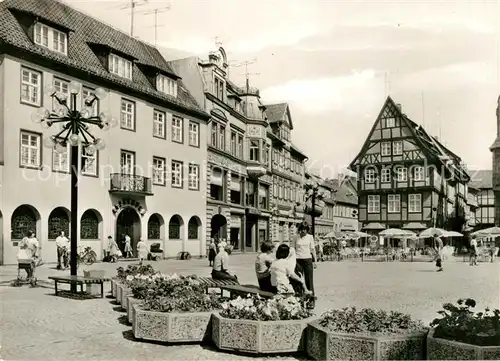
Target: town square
(214,180)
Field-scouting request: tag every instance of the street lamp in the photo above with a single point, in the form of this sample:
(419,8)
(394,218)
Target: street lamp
(315,196)
(74,130)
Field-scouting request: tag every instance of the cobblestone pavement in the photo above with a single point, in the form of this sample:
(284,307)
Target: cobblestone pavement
(39,326)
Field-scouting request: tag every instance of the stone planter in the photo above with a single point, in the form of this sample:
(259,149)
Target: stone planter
(441,349)
(125,292)
(131,301)
(118,295)
(325,345)
(258,336)
(94,289)
(170,327)
(113,287)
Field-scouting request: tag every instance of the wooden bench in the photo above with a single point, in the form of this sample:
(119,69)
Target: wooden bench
(79,280)
(240,290)
(209,282)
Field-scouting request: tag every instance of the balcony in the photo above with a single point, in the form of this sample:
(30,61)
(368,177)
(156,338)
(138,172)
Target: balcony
(130,184)
(256,170)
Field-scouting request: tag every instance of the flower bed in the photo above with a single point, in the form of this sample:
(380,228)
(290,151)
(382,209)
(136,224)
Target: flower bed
(462,333)
(256,325)
(349,334)
(173,309)
(123,280)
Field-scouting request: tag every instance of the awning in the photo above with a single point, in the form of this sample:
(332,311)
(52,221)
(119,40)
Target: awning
(414,225)
(216,177)
(235,184)
(374,226)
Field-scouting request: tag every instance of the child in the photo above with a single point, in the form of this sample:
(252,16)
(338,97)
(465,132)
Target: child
(262,265)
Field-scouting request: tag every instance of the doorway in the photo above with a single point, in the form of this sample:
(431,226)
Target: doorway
(218,226)
(251,233)
(128,222)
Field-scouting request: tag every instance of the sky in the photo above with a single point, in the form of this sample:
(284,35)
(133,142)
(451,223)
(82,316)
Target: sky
(335,63)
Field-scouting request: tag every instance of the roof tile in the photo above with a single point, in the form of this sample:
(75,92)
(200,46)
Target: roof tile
(85,29)
(481,179)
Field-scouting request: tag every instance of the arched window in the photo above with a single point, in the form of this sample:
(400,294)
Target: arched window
(89,225)
(23,220)
(193,227)
(154,226)
(174,227)
(58,221)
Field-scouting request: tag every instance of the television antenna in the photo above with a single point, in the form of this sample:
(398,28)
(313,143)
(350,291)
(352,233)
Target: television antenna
(132,4)
(156,12)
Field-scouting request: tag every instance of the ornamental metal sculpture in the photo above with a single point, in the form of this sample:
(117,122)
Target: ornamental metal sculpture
(75,130)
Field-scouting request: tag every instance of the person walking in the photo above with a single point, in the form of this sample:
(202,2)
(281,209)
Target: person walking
(211,253)
(473,251)
(305,252)
(438,246)
(62,244)
(142,250)
(128,247)
(113,250)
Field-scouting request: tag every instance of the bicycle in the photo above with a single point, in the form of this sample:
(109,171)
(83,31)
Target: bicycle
(87,256)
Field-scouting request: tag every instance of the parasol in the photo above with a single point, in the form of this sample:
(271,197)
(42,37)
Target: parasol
(431,232)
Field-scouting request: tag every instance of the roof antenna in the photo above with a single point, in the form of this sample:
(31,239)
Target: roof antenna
(156,12)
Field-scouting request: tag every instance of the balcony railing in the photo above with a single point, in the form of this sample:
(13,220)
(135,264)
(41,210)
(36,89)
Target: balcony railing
(128,183)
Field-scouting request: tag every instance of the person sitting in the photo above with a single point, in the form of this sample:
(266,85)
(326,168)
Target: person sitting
(282,272)
(262,264)
(220,270)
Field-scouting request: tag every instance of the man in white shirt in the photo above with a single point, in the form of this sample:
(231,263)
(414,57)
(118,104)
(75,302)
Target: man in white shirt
(220,269)
(62,244)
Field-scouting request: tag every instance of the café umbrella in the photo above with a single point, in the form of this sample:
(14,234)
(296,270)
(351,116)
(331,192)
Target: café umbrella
(488,232)
(431,232)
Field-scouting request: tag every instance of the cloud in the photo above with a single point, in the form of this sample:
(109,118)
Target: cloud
(323,94)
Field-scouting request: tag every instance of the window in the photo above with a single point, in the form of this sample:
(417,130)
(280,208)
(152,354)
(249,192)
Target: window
(60,160)
(373,204)
(154,226)
(402,174)
(159,124)
(127,162)
(31,87)
(194,134)
(30,150)
(176,174)
(254,150)
(390,123)
(419,173)
(222,137)
(219,88)
(397,147)
(393,203)
(120,66)
(414,203)
(58,222)
(87,95)
(62,88)
(385,175)
(193,226)
(177,133)
(385,148)
(174,228)
(159,171)
(23,220)
(240,146)
(51,38)
(194,177)
(213,135)
(89,162)
(263,197)
(89,225)
(370,175)
(166,85)
(267,155)
(127,115)
(233,143)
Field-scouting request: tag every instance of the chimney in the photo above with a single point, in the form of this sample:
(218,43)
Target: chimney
(399,106)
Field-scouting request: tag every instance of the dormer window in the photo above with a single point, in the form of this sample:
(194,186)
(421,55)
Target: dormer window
(219,88)
(51,38)
(120,66)
(166,85)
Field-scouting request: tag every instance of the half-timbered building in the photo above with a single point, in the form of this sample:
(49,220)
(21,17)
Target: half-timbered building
(408,178)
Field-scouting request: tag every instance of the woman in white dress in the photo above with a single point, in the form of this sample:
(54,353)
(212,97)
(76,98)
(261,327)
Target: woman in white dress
(113,250)
(128,247)
(142,250)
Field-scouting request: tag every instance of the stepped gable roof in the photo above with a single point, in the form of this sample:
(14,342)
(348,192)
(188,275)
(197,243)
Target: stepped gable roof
(481,179)
(85,34)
